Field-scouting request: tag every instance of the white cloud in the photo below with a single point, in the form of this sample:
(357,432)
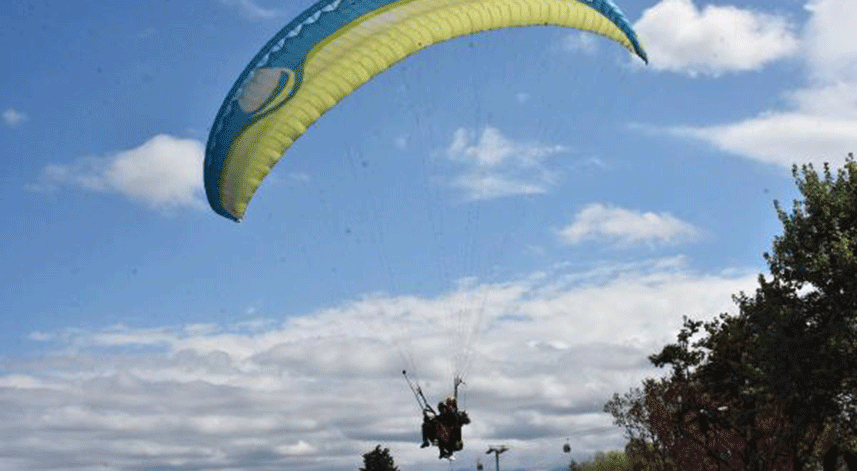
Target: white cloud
(819,122)
(782,138)
(401,142)
(299,177)
(679,37)
(13,117)
(625,227)
(164,172)
(493,150)
(580,42)
(20,381)
(252,10)
(319,390)
(299,448)
(483,185)
(495,166)
(829,41)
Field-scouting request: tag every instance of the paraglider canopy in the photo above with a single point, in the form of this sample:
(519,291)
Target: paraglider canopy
(334,47)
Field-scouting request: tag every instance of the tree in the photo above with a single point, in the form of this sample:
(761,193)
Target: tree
(805,316)
(640,412)
(378,460)
(773,385)
(676,423)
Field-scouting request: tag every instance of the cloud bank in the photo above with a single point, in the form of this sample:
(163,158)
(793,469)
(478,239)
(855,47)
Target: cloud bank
(315,392)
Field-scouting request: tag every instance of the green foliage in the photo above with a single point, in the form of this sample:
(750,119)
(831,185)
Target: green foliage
(643,456)
(819,244)
(774,385)
(609,461)
(378,460)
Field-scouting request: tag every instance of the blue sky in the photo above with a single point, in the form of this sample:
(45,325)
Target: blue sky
(537,185)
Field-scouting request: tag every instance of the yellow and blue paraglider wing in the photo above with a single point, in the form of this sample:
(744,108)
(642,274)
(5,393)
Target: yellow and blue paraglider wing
(337,45)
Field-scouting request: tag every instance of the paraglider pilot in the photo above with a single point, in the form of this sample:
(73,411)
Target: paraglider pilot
(442,428)
(429,429)
(448,428)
